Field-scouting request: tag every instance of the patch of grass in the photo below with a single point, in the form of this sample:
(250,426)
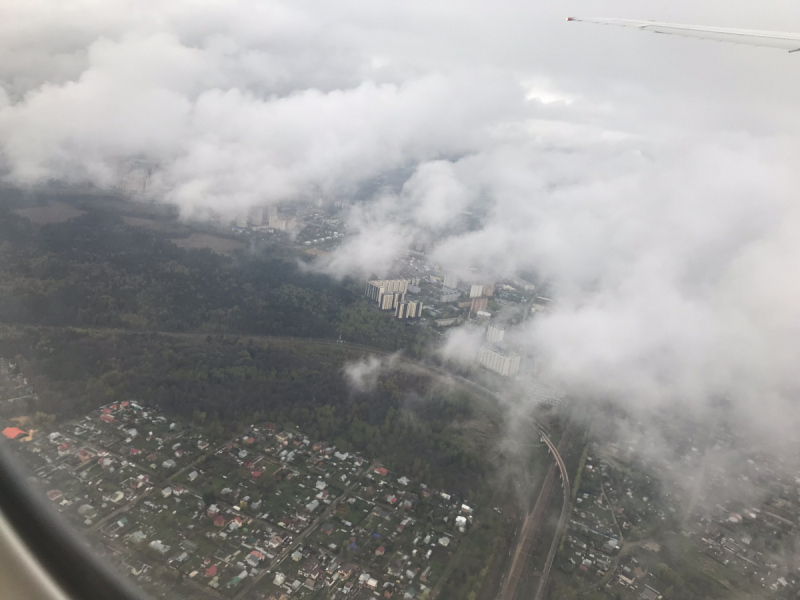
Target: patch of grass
(55,212)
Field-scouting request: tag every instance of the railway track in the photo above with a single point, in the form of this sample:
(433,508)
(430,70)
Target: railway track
(532,524)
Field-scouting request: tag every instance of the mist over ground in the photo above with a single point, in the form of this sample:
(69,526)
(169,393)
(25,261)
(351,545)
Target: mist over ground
(651,180)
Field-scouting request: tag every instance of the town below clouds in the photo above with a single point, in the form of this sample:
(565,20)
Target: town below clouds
(650,182)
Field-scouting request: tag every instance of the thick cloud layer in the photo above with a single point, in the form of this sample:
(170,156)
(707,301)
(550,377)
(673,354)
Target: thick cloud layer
(652,180)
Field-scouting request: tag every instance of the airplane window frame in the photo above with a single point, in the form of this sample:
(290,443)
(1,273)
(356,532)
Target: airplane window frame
(60,550)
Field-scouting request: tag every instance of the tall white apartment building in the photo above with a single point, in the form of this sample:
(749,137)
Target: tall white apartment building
(495,334)
(499,359)
(257,216)
(283,223)
(387,293)
(408,309)
(476,291)
(449,295)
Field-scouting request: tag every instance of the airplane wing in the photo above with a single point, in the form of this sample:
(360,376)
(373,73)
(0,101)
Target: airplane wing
(769,39)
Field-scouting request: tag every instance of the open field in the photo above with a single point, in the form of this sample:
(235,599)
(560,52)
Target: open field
(55,212)
(219,245)
(150,224)
(315,251)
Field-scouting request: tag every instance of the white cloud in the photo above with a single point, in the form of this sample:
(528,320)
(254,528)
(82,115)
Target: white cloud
(362,375)
(651,180)
(461,344)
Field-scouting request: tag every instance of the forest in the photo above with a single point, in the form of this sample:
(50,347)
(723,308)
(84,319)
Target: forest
(97,271)
(101,310)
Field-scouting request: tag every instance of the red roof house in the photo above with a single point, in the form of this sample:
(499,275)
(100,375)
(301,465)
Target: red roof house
(13,433)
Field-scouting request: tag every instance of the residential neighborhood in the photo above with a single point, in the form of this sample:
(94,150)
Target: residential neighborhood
(268,514)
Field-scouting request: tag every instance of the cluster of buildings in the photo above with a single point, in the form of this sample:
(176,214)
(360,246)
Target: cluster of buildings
(134,178)
(274,219)
(739,532)
(479,299)
(160,495)
(495,354)
(390,538)
(390,295)
(313,230)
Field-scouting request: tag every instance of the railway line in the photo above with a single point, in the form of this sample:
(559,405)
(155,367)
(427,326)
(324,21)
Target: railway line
(532,524)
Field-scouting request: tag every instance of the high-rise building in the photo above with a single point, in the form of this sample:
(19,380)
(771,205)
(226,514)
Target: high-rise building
(498,358)
(449,295)
(476,291)
(282,223)
(479,304)
(387,293)
(391,300)
(408,309)
(495,334)
(256,216)
(450,281)
(135,180)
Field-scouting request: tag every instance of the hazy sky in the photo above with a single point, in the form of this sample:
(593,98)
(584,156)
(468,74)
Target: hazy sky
(654,179)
